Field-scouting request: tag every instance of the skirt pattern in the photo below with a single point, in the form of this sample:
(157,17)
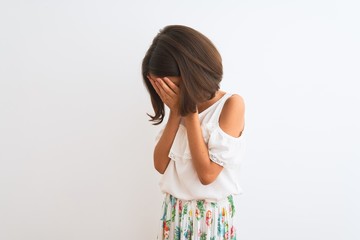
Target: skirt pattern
(197,219)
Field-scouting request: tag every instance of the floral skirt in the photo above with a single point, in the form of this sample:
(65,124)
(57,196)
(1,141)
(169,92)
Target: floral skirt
(197,219)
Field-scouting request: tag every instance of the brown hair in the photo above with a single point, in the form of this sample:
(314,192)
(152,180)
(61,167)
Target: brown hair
(182,51)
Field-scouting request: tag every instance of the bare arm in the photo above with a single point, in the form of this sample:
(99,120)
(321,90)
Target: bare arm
(169,94)
(231,121)
(162,148)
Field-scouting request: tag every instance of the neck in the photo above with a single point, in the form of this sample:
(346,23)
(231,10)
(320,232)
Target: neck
(204,105)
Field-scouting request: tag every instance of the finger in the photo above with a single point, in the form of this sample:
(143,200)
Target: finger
(153,83)
(171,85)
(164,88)
(158,89)
(157,86)
(163,95)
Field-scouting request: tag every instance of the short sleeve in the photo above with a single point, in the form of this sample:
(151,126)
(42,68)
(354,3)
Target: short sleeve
(225,149)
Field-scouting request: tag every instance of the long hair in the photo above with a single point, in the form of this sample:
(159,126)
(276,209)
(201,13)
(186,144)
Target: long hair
(184,52)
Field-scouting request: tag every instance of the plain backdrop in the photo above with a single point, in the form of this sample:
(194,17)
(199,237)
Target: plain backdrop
(76,144)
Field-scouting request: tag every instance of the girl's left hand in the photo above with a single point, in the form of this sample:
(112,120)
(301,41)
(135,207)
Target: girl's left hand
(168,92)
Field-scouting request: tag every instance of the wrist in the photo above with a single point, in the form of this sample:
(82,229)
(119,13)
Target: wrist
(174,115)
(191,116)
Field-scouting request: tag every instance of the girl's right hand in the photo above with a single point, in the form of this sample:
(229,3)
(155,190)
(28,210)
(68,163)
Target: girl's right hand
(168,92)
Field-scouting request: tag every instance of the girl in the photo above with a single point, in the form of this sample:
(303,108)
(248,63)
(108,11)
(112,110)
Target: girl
(199,150)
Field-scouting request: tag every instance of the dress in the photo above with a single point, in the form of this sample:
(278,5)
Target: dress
(190,209)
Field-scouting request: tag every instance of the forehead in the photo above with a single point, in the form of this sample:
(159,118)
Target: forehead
(152,76)
(174,79)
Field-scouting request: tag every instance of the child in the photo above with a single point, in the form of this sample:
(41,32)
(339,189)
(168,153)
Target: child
(199,150)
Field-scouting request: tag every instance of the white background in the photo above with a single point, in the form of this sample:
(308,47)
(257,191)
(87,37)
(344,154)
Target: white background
(76,144)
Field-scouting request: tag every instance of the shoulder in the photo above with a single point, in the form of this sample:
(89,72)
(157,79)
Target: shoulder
(232,115)
(234,102)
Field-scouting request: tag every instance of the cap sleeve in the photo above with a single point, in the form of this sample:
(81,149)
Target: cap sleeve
(225,149)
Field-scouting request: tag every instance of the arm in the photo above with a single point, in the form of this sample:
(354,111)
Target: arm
(162,148)
(231,122)
(169,94)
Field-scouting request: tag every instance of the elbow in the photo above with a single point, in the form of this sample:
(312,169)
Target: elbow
(158,168)
(209,175)
(161,163)
(206,179)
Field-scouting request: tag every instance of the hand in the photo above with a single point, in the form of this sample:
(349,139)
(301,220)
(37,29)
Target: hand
(167,91)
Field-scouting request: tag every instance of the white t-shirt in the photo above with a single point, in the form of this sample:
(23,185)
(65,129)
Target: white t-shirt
(180,178)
